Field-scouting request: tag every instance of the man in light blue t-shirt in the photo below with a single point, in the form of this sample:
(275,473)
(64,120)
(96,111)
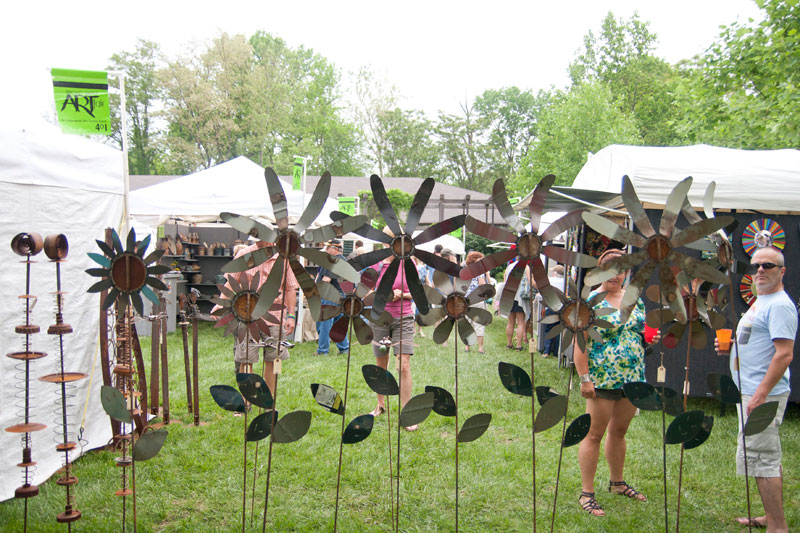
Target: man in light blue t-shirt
(765,342)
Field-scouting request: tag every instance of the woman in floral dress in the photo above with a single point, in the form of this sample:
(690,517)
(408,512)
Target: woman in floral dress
(603,369)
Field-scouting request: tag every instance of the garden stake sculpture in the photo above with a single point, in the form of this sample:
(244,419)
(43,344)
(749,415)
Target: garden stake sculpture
(452,305)
(404,246)
(127,273)
(529,244)
(187,319)
(27,245)
(56,247)
(287,247)
(657,249)
(352,308)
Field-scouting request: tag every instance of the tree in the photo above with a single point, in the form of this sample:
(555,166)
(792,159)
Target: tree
(744,91)
(142,96)
(400,200)
(408,147)
(463,150)
(583,120)
(374,98)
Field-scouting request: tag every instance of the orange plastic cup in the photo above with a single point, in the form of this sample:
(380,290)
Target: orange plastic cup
(724,341)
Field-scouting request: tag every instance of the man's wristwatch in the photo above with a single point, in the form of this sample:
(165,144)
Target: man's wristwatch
(585,378)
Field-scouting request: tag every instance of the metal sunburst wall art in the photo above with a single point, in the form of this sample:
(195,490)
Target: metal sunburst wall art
(26,245)
(128,273)
(529,244)
(452,303)
(659,249)
(56,247)
(285,245)
(403,246)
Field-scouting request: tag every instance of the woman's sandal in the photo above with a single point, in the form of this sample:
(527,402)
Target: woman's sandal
(590,505)
(627,491)
(378,411)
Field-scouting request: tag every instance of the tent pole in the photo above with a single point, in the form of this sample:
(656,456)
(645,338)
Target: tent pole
(123,119)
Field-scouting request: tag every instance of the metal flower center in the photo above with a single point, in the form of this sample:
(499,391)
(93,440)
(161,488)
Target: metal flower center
(658,248)
(352,306)
(529,245)
(128,272)
(576,315)
(402,247)
(456,306)
(243,304)
(288,243)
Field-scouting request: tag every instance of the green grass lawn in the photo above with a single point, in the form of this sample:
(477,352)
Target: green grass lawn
(195,483)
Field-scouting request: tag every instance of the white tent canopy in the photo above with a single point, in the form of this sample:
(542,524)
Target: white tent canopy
(237,186)
(762,180)
(52,183)
(447,241)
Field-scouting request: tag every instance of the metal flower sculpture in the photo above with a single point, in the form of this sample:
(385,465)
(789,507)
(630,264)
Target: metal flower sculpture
(529,244)
(127,272)
(452,305)
(656,248)
(354,307)
(288,243)
(576,314)
(403,246)
(237,306)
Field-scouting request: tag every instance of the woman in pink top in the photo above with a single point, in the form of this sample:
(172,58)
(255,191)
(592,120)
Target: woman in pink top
(400,332)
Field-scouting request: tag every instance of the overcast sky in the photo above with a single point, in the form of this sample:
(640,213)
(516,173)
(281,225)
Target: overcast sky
(437,53)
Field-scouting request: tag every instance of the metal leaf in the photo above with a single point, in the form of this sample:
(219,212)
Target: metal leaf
(114,404)
(466,332)
(443,283)
(673,206)
(158,270)
(149,444)
(270,290)
(544,393)
(228,398)
(443,402)
(261,426)
(642,395)
(358,429)
(515,379)
(670,291)
(292,427)
(365,230)
(612,230)
(308,287)
(614,266)
(568,257)
(360,262)
(698,269)
(417,409)
(577,430)
(673,404)
(105,248)
(486,264)
(684,428)
(141,246)
(554,331)
(136,300)
(701,229)
(538,199)
(249,226)
(442,331)
(153,257)
(335,265)
(479,316)
(249,260)
(315,205)
(634,289)
(493,233)
(510,288)
(418,205)
(384,205)
(415,287)
(431,317)
(131,240)
(474,427)
(328,292)
(723,388)
(380,380)
(255,390)
(116,242)
(339,329)
(480,294)
(101,285)
(570,220)
(110,298)
(280,207)
(363,331)
(157,283)
(634,207)
(702,434)
(101,260)
(336,230)
(439,263)
(327,397)
(384,291)
(500,199)
(760,418)
(551,412)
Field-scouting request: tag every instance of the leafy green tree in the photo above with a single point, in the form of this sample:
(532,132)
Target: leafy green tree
(744,91)
(463,149)
(582,120)
(408,148)
(373,107)
(400,200)
(142,97)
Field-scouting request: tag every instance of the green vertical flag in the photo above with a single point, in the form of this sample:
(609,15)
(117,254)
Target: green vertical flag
(456,233)
(82,101)
(347,205)
(297,173)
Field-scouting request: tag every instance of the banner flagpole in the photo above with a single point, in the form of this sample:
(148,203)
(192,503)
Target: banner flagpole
(123,119)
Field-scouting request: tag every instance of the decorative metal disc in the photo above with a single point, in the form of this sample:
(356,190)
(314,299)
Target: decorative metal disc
(128,272)
(763,233)
(290,239)
(352,306)
(402,247)
(576,321)
(658,248)
(243,304)
(747,289)
(529,245)
(456,306)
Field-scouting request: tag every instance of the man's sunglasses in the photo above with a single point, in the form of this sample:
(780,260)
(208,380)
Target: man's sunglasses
(766,266)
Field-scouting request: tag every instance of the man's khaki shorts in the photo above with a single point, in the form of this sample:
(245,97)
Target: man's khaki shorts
(248,352)
(763,449)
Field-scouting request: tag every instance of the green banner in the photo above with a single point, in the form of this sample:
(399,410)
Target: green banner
(82,101)
(457,233)
(297,173)
(514,200)
(347,205)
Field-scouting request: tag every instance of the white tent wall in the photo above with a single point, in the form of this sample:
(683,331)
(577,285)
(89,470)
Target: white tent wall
(762,180)
(53,183)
